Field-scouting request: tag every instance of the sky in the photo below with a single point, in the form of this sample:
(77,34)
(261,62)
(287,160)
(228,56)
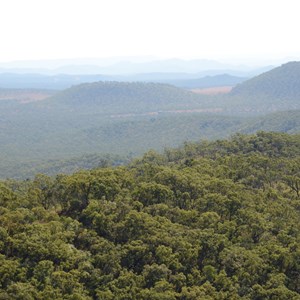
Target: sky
(189,29)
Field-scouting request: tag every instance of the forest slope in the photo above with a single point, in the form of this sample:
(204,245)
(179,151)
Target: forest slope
(126,97)
(284,121)
(278,89)
(281,82)
(212,220)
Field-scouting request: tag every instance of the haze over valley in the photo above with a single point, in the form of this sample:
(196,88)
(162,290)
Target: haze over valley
(127,118)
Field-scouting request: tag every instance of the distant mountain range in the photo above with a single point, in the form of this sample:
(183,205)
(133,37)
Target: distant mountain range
(208,81)
(63,74)
(125,66)
(60,82)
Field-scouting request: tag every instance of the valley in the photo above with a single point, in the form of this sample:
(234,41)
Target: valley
(128,118)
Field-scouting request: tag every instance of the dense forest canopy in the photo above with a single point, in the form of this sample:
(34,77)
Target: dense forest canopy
(209,220)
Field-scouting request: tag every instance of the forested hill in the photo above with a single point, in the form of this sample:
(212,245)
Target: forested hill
(210,220)
(275,90)
(281,82)
(119,97)
(278,89)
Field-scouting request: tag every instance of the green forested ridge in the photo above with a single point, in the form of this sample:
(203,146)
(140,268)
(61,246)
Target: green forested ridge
(275,90)
(209,220)
(112,97)
(281,82)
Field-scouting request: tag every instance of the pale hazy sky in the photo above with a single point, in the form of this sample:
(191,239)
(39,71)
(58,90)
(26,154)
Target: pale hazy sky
(212,29)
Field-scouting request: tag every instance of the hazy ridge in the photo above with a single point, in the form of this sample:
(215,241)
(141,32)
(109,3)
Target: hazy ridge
(128,118)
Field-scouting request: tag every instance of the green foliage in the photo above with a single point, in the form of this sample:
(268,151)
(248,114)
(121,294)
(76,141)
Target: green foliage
(210,220)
